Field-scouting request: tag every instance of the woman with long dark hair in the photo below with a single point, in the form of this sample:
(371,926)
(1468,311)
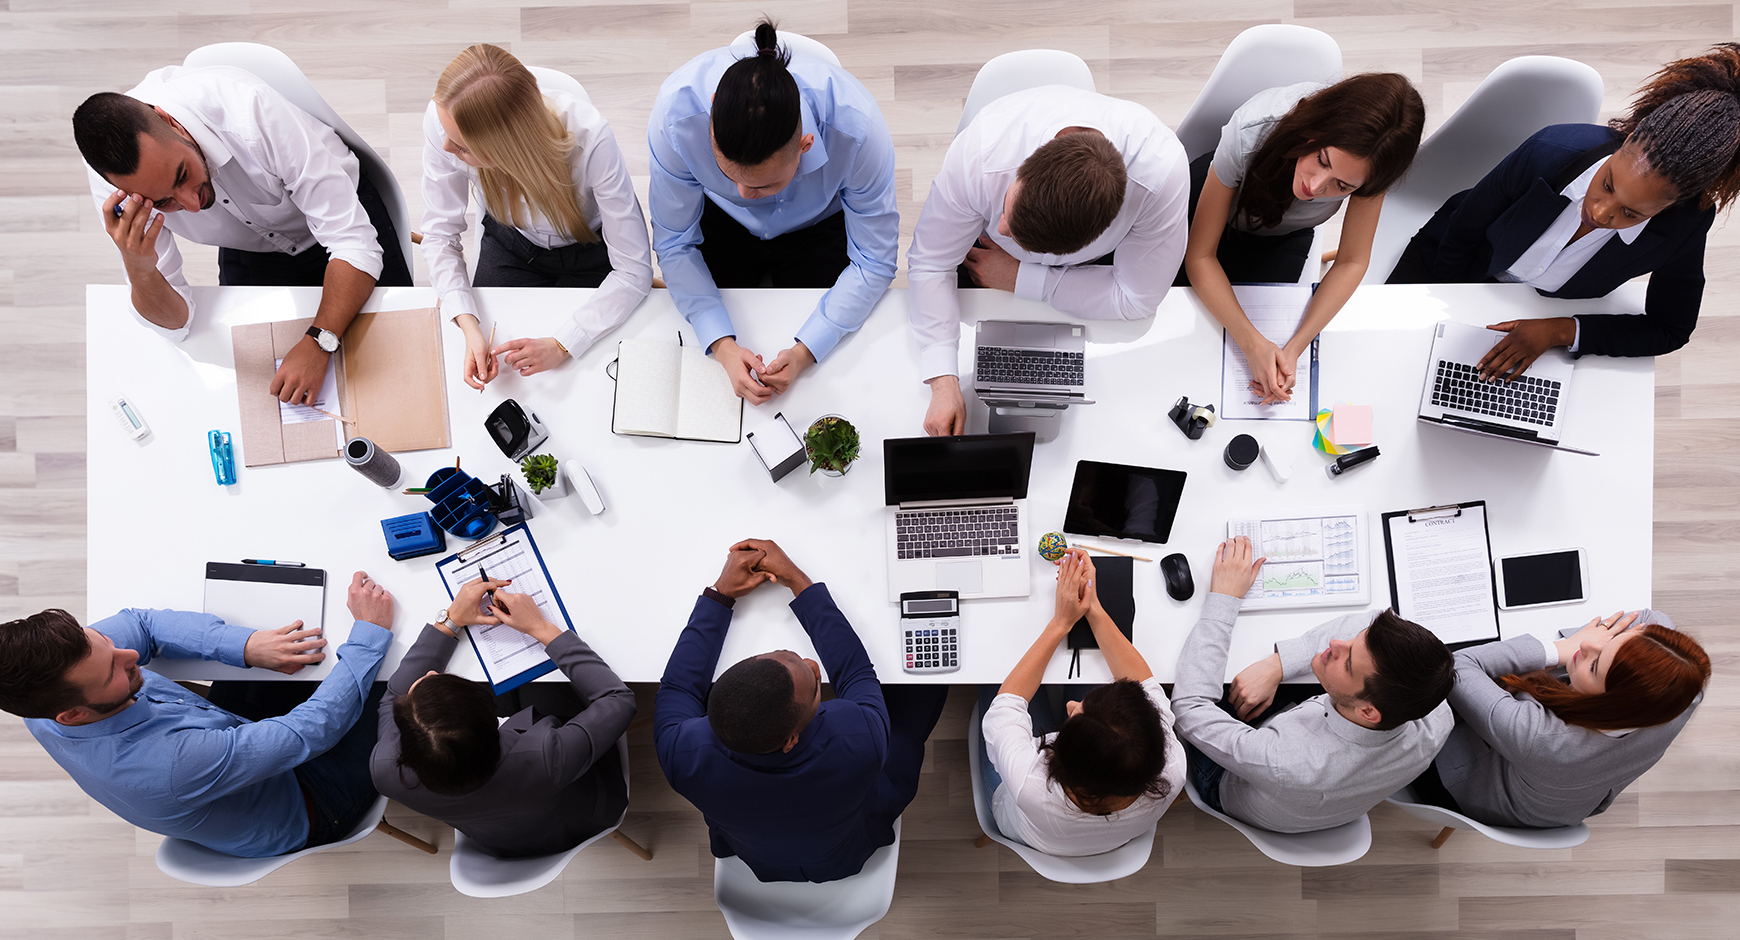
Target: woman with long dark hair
(1286,161)
(1580,209)
(1534,746)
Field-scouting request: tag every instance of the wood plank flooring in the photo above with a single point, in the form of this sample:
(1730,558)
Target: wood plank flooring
(1664,862)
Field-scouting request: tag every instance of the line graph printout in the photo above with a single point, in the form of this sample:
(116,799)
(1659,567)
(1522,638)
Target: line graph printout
(1316,558)
(507,653)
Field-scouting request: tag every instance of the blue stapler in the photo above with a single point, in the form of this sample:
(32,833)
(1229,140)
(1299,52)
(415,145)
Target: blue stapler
(223,458)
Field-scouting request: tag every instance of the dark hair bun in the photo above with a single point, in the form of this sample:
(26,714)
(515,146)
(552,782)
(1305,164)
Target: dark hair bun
(767,41)
(756,112)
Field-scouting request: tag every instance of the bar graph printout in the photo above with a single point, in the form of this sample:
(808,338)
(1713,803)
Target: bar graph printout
(1316,558)
(509,657)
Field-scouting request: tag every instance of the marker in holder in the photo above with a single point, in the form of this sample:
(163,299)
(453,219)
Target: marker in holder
(464,506)
(381,468)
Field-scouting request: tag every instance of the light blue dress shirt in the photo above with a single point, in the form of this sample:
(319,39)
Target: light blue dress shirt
(177,765)
(850,165)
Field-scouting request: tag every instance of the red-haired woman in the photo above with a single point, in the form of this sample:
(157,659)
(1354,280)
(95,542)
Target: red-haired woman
(1533,749)
(1286,160)
(1580,209)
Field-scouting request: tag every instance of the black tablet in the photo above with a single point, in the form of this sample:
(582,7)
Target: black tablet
(1111,500)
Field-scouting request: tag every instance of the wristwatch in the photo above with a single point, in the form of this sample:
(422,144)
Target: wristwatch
(445,622)
(327,340)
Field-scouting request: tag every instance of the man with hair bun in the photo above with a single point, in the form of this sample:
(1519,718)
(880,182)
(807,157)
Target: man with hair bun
(777,166)
(1055,193)
(799,788)
(1580,209)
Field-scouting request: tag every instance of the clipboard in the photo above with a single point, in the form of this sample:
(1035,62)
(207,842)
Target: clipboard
(509,658)
(1440,567)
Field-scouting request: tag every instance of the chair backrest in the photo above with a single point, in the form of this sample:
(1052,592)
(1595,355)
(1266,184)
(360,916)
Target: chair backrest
(799,45)
(276,70)
(1345,843)
(1121,862)
(1272,55)
(196,864)
(1519,98)
(1563,837)
(479,875)
(1020,70)
(798,910)
(550,78)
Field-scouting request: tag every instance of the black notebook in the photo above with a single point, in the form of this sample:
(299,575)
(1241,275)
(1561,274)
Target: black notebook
(1113,581)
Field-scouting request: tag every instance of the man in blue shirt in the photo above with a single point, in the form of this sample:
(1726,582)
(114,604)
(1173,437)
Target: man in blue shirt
(166,760)
(777,166)
(798,788)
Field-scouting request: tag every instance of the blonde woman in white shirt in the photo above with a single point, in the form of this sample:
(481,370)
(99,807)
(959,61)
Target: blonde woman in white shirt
(1113,766)
(558,207)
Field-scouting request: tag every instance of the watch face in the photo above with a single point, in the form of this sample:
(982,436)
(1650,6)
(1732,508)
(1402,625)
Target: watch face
(327,340)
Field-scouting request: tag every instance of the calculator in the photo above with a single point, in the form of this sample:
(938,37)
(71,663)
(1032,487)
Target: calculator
(930,631)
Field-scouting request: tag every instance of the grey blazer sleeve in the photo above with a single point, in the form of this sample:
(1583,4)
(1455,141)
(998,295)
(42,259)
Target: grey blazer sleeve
(572,748)
(1256,754)
(1511,725)
(431,651)
(1296,654)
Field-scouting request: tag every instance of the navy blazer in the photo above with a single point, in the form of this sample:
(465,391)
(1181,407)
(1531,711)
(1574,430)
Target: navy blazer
(1480,232)
(809,814)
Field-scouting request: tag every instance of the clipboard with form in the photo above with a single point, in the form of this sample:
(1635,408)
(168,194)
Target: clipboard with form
(509,658)
(1440,561)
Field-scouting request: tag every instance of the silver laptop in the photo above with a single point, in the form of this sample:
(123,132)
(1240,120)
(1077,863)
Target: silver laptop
(1024,360)
(1531,407)
(956,516)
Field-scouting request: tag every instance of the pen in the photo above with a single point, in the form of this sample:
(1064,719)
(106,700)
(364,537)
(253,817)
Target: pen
(1347,462)
(488,596)
(269,561)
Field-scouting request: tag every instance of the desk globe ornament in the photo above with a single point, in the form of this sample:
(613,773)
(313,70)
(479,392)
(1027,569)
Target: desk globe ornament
(831,443)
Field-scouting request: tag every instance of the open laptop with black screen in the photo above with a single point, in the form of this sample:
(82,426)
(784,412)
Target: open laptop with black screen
(957,514)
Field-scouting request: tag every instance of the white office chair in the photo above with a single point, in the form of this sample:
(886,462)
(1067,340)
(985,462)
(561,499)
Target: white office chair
(1519,98)
(797,44)
(1345,843)
(1262,57)
(1121,862)
(800,910)
(196,864)
(479,875)
(559,80)
(1018,71)
(1564,837)
(276,70)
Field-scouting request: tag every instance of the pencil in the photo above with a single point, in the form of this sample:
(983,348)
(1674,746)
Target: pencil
(491,348)
(333,416)
(1110,551)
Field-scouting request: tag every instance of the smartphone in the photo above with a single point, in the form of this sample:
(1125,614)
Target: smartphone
(1543,579)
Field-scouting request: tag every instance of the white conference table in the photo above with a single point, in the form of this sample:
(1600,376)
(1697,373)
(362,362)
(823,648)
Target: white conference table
(629,577)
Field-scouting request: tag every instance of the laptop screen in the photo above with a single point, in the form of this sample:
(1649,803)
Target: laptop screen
(974,466)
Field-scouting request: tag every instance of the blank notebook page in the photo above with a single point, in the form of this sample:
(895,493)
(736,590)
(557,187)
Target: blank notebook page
(647,377)
(709,408)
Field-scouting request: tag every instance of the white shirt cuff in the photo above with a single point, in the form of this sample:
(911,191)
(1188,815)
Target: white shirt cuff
(1552,651)
(456,302)
(941,359)
(1578,336)
(1030,281)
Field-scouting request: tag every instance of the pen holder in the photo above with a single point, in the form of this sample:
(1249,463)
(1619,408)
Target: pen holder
(463,505)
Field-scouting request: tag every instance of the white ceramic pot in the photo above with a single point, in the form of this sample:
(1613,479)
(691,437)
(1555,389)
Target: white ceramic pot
(556,490)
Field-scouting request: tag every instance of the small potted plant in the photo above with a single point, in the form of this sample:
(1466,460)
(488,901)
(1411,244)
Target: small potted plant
(832,444)
(543,476)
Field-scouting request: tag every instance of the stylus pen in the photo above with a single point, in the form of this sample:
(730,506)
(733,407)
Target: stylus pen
(1347,462)
(268,561)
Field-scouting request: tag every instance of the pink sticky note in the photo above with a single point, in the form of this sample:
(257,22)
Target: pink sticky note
(1350,425)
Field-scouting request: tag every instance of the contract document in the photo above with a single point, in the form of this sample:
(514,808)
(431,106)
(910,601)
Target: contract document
(1440,563)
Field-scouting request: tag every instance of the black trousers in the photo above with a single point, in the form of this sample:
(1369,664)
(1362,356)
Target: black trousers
(506,259)
(812,256)
(308,269)
(1247,257)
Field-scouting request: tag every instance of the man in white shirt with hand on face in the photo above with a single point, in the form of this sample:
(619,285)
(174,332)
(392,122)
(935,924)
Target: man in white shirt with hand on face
(225,160)
(1057,194)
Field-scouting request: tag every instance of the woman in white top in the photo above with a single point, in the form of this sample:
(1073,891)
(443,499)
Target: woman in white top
(1113,766)
(1286,160)
(559,208)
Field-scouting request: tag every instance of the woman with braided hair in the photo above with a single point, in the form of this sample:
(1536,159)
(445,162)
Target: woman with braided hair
(1580,209)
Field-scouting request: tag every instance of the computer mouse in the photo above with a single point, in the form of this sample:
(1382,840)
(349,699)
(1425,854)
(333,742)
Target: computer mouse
(1175,568)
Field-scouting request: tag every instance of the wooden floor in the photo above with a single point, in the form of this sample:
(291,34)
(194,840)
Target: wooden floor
(1664,862)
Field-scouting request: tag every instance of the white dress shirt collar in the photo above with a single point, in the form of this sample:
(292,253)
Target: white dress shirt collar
(1554,259)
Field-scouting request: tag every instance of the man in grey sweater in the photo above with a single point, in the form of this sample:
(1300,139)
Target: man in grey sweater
(1328,760)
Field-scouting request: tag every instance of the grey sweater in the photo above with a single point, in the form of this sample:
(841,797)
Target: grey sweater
(1511,762)
(556,785)
(1307,768)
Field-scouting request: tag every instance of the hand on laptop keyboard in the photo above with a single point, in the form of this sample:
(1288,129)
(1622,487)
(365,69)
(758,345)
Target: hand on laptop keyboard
(1524,342)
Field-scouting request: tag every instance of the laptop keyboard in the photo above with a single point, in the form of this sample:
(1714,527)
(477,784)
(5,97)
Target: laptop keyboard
(1528,399)
(947,533)
(1027,366)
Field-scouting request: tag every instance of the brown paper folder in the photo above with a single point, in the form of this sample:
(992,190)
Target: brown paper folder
(389,381)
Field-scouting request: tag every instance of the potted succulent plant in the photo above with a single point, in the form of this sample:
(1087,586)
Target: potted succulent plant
(542,474)
(832,444)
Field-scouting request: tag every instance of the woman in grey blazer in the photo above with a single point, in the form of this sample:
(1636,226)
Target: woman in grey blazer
(1540,746)
(535,785)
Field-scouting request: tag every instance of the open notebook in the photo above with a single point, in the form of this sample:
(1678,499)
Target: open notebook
(667,390)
